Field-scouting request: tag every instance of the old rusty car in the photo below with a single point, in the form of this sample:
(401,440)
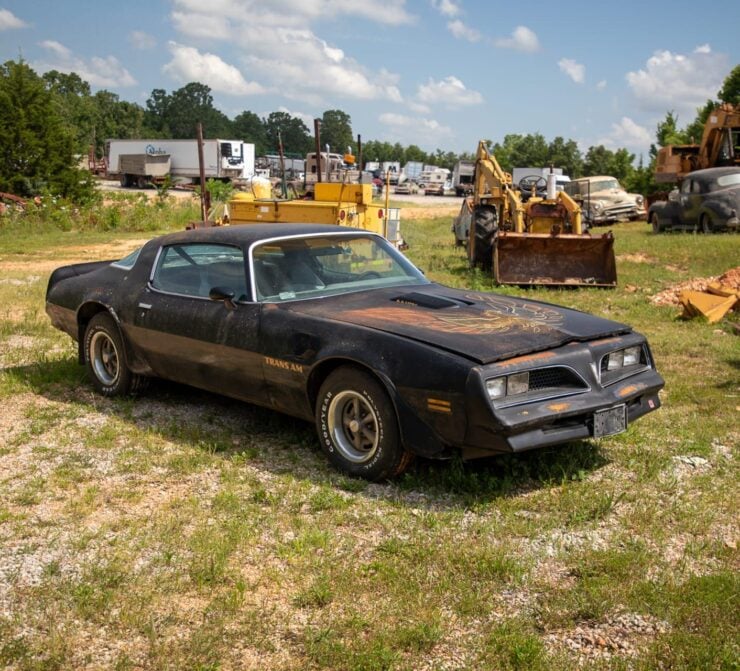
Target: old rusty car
(707,201)
(335,326)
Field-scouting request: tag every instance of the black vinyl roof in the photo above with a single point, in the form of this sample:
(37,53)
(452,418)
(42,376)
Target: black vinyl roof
(246,234)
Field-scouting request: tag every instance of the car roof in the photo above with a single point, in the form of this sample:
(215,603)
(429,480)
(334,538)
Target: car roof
(593,177)
(713,173)
(246,234)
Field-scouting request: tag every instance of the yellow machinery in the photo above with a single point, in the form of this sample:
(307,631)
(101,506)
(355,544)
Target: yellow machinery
(332,203)
(720,146)
(541,242)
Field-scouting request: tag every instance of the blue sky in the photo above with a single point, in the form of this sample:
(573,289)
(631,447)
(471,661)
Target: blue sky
(437,73)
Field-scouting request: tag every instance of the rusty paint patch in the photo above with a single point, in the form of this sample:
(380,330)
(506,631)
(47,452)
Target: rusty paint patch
(558,407)
(529,358)
(630,389)
(606,341)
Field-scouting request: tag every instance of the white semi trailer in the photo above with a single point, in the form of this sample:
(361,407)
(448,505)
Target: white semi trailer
(226,160)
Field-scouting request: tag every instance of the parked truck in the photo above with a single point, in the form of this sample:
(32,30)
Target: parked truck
(226,160)
(462,177)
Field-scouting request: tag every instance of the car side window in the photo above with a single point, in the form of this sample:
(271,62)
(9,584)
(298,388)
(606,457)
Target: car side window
(695,187)
(194,269)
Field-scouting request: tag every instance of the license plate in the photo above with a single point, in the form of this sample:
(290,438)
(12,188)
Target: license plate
(611,421)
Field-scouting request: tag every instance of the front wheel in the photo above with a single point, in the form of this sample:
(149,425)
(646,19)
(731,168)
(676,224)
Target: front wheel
(655,222)
(105,358)
(357,426)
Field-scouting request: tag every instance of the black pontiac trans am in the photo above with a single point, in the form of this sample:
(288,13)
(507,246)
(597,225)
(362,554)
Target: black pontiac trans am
(335,326)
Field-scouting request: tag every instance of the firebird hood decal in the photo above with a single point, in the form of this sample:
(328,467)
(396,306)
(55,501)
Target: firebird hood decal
(482,327)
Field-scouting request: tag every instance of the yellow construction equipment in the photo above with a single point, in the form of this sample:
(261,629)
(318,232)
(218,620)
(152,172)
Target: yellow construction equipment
(332,203)
(540,242)
(719,146)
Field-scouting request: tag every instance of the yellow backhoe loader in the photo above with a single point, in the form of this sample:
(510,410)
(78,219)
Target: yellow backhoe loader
(540,242)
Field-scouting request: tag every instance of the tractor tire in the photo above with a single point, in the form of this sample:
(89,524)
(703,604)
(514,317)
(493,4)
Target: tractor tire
(485,225)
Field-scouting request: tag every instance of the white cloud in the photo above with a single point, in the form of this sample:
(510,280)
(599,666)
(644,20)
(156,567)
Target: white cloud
(190,65)
(678,81)
(522,39)
(601,85)
(141,40)
(449,91)
(104,72)
(463,32)
(575,71)
(280,50)
(419,108)
(446,7)
(9,21)
(627,133)
(414,130)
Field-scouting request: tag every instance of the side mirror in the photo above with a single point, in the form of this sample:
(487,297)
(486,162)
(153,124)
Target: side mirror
(224,295)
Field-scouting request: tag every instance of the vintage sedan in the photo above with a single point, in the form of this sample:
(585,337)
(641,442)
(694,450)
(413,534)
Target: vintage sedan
(334,325)
(707,201)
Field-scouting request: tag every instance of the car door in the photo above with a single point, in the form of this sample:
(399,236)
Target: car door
(186,336)
(690,202)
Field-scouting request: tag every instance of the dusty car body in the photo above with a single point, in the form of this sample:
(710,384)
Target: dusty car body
(707,200)
(335,326)
(604,200)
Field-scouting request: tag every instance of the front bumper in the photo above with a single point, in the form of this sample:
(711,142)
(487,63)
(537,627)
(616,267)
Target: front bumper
(557,419)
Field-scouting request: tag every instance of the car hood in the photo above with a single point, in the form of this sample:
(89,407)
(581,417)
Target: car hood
(483,327)
(613,197)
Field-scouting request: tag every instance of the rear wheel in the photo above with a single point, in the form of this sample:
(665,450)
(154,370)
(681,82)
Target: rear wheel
(706,224)
(124,181)
(485,224)
(357,426)
(106,360)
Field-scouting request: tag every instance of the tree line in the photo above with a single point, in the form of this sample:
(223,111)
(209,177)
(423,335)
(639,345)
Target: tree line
(48,121)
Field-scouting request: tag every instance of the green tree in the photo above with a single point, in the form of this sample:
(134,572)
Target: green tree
(295,134)
(565,154)
(598,161)
(249,127)
(730,91)
(37,150)
(522,151)
(336,130)
(177,115)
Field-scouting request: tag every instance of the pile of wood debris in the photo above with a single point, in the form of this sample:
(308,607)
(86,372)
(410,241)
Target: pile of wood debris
(712,297)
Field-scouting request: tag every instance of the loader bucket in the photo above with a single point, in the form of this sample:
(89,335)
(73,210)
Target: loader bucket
(554,260)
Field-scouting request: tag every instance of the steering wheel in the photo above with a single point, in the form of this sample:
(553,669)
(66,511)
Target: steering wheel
(538,182)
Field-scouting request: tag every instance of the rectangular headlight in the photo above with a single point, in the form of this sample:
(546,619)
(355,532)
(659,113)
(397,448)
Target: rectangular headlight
(496,387)
(518,384)
(632,356)
(615,360)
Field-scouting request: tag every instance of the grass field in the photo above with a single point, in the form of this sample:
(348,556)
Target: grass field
(181,530)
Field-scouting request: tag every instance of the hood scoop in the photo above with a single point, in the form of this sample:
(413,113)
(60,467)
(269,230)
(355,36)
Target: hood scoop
(428,301)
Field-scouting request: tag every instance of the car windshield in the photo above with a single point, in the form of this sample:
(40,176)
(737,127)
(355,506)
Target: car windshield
(604,184)
(732,179)
(316,266)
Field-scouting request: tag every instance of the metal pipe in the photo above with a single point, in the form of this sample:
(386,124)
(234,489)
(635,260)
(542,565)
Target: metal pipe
(317,149)
(205,197)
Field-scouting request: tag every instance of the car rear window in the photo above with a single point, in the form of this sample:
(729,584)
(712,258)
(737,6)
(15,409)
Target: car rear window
(729,180)
(127,262)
